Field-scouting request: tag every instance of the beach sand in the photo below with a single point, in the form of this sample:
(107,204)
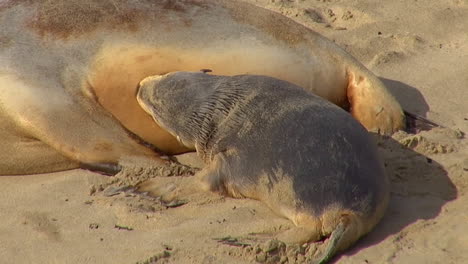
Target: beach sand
(418,48)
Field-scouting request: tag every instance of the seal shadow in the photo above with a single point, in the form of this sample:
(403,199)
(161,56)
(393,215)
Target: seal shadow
(420,187)
(409,97)
(414,105)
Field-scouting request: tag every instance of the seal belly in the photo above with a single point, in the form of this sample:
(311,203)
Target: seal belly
(116,71)
(114,79)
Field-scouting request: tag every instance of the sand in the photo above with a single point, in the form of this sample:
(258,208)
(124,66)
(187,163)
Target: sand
(418,48)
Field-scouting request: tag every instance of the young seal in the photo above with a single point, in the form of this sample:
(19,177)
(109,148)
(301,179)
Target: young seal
(69,71)
(270,140)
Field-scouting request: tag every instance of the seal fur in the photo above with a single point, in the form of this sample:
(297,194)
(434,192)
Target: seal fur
(270,140)
(69,71)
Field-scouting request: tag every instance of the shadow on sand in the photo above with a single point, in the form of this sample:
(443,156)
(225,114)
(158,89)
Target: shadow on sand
(409,97)
(419,189)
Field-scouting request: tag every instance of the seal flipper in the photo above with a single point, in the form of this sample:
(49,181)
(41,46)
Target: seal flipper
(338,240)
(211,177)
(110,169)
(416,123)
(215,176)
(332,243)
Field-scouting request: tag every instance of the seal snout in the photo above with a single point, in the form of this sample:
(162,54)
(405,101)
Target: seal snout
(144,89)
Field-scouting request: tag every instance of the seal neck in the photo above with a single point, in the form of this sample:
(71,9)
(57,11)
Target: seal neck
(206,121)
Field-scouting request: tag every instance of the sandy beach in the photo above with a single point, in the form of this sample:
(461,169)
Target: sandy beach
(418,48)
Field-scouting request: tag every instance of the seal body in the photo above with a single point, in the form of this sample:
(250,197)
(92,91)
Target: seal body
(69,71)
(270,140)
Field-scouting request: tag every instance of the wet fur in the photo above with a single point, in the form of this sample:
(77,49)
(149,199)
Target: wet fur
(69,71)
(270,140)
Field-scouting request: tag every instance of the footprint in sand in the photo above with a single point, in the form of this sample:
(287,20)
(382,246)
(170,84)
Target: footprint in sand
(43,223)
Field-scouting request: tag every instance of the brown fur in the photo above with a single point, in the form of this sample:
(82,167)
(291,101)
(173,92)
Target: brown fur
(117,71)
(64,19)
(117,94)
(68,79)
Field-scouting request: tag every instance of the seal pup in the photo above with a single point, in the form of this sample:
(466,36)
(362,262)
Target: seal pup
(270,140)
(69,72)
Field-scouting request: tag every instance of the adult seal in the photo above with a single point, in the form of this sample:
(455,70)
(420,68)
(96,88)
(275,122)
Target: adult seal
(69,71)
(270,140)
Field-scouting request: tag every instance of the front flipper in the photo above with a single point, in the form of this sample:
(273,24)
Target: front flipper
(212,178)
(103,168)
(220,176)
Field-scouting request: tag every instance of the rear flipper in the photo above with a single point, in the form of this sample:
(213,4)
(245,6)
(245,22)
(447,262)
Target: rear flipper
(344,235)
(345,231)
(298,236)
(335,241)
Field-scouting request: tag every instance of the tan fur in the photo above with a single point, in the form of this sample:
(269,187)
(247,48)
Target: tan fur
(360,91)
(69,70)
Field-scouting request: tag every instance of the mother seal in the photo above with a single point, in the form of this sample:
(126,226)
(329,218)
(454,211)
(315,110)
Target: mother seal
(69,71)
(270,140)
